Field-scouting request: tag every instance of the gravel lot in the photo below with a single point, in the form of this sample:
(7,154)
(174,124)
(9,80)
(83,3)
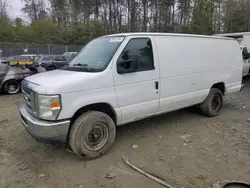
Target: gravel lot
(182,147)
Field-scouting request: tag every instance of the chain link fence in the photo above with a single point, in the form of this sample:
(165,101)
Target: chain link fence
(9,49)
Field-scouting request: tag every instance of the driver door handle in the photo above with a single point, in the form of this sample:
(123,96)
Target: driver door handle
(156,85)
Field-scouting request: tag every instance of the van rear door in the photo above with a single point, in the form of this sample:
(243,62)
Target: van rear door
(136,77)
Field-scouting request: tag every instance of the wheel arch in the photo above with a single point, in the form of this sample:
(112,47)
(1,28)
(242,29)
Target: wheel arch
(9,80)
(221,86)
(100,106)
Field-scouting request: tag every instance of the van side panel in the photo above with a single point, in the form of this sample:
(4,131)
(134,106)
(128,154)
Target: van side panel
(190,66)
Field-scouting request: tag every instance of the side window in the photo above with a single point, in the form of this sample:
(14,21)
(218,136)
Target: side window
(47,58)
(60,58)
(137,56)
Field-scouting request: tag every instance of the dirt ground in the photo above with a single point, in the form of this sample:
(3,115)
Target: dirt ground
(182,147)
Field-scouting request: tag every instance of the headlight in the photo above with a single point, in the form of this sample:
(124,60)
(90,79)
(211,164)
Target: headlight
(48,106)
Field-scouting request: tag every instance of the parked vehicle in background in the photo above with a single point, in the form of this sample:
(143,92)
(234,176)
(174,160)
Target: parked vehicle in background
(37,58)
(3,59)
(13,70)
(244,41)
(19,60)
(69,55)
(51,62)
(123,78)
(11,77)
(30,55)
(23,60)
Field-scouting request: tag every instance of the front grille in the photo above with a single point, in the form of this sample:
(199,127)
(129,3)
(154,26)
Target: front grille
(28,96)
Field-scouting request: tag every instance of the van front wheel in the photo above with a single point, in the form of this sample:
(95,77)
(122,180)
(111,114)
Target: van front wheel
(213,103)
(92,134)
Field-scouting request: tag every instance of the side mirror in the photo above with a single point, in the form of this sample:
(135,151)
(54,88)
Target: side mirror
(127,66)
(245,53)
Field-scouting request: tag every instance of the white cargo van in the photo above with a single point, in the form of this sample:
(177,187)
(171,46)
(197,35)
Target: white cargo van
(122,78)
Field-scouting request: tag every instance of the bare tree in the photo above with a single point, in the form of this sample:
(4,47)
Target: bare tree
(33,8)
(195,16)
(4,9)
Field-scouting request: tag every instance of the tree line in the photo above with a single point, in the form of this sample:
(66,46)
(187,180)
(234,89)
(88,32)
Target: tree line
(78,21)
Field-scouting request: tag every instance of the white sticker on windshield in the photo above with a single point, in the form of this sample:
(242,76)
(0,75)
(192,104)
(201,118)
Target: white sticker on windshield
(116,39)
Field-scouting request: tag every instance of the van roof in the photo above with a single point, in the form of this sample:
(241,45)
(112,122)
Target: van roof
(233,34)
(170,34)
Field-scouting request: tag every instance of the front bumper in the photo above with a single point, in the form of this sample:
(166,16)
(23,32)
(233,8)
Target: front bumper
(44,131)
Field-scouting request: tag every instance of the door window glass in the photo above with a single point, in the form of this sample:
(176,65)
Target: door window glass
(139,51)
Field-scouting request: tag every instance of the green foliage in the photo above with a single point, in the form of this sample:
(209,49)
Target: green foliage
(6,31)
(201,18)
(48,32)
(78,21)
(237,16)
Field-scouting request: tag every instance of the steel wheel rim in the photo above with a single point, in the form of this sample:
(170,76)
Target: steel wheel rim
(12,88)
(216,102)
(96,137)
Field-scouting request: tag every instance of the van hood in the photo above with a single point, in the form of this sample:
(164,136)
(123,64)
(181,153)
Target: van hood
(64,81)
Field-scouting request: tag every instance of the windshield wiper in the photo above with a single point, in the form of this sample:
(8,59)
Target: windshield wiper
(84,66)
(80,65)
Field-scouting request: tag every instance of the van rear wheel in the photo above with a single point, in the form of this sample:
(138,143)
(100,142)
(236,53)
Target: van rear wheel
(92,134)
(213,103)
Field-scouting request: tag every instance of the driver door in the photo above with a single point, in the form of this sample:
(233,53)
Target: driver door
(137,89)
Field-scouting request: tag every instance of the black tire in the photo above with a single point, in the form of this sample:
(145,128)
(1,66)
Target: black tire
(11,87)
(84,131)
(213,103)
(51,68)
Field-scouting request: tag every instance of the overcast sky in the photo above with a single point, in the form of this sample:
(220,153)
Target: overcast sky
(16,6)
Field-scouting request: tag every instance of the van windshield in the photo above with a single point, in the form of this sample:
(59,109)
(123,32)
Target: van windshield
(96,55)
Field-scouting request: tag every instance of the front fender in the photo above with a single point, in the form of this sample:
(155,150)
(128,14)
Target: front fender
(72,102)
